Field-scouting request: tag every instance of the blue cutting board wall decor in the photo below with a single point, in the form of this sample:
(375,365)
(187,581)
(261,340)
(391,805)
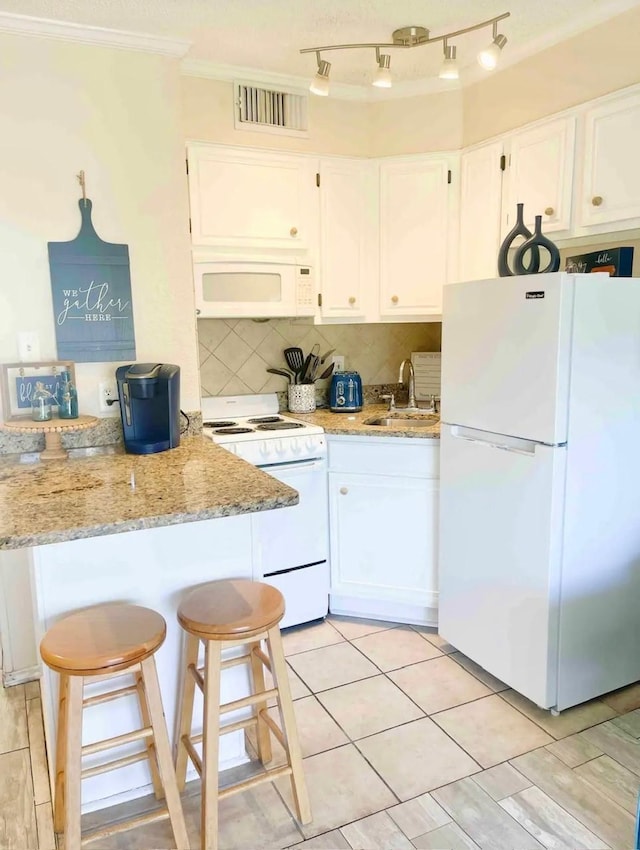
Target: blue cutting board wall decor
(92,304)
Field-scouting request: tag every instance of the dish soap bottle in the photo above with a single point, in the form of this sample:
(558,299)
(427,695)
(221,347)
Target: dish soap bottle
(41,403)
(67,397)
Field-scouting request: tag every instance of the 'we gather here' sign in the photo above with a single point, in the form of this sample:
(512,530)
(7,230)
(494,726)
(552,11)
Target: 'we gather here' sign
(91,288)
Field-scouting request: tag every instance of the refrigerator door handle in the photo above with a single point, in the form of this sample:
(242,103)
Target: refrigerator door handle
(495,441)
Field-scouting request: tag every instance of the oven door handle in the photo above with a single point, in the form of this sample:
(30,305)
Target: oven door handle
(295,465)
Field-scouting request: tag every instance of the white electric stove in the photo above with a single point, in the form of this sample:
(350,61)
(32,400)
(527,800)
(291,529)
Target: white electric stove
(292,552)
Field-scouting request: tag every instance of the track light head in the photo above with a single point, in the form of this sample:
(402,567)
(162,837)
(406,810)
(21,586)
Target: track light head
(320,83)
(489,57)
(449,67)
(382,78)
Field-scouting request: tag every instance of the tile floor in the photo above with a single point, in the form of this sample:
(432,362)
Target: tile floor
(407,745)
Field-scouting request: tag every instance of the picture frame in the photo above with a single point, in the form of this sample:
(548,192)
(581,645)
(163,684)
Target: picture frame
(18,380)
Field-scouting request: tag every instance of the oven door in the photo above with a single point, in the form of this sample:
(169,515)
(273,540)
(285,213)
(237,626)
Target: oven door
(292,544)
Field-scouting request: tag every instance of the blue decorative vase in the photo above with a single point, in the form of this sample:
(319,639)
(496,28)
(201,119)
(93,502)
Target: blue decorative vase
(534,244)
(519,229)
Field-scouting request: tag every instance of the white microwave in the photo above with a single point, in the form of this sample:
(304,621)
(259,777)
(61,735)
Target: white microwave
(230,289)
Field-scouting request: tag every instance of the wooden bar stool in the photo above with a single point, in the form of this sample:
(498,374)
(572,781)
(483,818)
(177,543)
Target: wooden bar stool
(225,614)
(96,644)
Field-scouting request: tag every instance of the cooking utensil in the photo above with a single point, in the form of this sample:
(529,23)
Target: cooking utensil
(328,371)
(295,361)
(285,373)
(313,369)
(326,356)
(305,372)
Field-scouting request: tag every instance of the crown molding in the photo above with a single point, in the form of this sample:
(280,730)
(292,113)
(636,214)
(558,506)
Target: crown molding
(67,31)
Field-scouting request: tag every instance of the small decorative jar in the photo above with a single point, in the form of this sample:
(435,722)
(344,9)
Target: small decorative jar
(302,398)
(41,403)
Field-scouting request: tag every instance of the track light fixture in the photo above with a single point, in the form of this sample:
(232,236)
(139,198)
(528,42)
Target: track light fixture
(320,83)
(488,58)
(408,37)
(449,68)
(382,78)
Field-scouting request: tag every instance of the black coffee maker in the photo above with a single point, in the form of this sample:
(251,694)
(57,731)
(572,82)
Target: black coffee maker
(149,395)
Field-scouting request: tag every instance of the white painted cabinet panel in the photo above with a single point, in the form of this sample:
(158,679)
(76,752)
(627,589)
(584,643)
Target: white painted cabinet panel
(348,221)
(541,174)
(611,186)
(481,174)
(416,205)
(242,198)
(384,533)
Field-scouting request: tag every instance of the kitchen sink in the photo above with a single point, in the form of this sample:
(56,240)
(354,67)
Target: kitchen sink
(423,421)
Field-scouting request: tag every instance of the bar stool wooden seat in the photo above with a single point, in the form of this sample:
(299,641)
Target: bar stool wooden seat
(224,614)
(89,646)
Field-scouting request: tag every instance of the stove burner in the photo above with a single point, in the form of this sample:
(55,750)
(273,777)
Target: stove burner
(233,431)
(266,420)
(282,425)
(215,423)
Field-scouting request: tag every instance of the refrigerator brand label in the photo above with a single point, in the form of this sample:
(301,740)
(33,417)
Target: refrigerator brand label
(536,293)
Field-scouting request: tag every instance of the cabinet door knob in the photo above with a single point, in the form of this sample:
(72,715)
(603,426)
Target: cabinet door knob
(596,200)
(352,300)
(394,299)
(549,211)
(344,490)
(294,231)
(197,312)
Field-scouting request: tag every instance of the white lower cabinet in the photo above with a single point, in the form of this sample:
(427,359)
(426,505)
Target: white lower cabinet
(383,515)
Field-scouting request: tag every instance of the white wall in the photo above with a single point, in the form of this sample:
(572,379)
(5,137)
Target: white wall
(117,115)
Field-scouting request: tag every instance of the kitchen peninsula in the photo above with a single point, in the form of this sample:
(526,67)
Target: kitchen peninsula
(186,517)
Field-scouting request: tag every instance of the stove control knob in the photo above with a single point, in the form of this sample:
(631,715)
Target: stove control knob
(264,448)
(280,447)
(309,443)
(296,446)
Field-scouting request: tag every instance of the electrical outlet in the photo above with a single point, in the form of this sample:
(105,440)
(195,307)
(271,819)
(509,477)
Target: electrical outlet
(107,396)
(338,362)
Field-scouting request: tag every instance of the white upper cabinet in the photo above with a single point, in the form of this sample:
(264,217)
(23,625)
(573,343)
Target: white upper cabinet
(416,230)
(541,175)
(348,222)
(241,198)
(611,185)
(481,173)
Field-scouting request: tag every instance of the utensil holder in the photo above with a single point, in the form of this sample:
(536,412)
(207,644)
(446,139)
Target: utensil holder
(302,398)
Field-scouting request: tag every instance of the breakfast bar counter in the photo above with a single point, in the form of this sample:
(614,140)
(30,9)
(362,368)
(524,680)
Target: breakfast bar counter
(104,526)
(108,492)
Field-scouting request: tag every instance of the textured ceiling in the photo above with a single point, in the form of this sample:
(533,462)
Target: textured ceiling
(267,35)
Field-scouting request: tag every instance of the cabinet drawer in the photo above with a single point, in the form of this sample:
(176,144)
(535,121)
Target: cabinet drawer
(413,458)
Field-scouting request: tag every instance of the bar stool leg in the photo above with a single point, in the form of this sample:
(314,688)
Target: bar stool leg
(258,684)
(61,745)
(158,790)
(163,751)
(73,763)
(289,727)
(210,746)
(190,657)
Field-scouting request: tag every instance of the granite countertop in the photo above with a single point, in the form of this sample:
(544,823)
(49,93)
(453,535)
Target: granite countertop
(108,492)
(353,423)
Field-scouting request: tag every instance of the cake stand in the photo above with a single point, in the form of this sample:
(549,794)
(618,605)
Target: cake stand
(53,429)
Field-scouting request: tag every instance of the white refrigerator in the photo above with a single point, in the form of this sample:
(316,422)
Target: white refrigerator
(539,566)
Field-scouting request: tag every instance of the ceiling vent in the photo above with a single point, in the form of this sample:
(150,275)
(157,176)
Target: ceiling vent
(270,110)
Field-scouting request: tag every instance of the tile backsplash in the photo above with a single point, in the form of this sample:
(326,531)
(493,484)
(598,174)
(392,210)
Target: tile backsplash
(235,353)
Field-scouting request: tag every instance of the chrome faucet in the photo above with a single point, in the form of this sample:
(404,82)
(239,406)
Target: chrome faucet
(411,403)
